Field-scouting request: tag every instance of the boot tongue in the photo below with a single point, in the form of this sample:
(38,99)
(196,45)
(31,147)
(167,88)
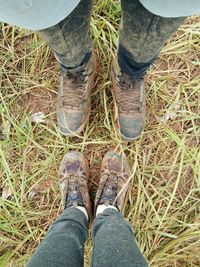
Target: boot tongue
(115,166)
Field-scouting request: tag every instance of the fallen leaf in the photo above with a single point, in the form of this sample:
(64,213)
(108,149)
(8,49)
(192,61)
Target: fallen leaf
(32,194)
(171,112)
(37,117)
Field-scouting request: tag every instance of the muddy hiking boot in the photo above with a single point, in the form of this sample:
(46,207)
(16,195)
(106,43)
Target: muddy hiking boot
(129,104)
(113,185)
(74,100)
(73,177)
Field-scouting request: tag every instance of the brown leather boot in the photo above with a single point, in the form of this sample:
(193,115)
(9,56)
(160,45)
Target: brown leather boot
(115,174)
(74,99)
(73,176)
(129,103)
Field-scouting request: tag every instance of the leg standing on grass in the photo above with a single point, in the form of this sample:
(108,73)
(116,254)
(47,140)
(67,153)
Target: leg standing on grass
(64,242)
(142,35)
(71,44)
(114,241)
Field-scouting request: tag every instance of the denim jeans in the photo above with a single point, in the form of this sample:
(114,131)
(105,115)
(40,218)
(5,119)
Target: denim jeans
(113,239)
(142,36)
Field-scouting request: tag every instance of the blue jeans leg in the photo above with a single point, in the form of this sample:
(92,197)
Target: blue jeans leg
(114,242)
(64,242)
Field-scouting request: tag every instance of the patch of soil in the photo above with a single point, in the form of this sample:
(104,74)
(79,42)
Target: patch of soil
(39,100)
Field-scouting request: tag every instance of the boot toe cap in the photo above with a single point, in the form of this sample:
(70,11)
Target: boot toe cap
(131,128)
(69,123)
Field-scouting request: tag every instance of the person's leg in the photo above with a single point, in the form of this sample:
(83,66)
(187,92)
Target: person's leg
(71,44)
(142,36)
(114,242)
(69,39)
(64,242)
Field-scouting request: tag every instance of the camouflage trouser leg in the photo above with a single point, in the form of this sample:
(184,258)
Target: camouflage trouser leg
(69,39)
(142,35)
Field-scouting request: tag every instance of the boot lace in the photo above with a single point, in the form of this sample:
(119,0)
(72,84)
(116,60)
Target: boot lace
(130,93)
(74,88)
(73,196)
(110,190)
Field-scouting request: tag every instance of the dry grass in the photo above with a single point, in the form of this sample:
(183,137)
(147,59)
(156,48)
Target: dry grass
(164,197)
